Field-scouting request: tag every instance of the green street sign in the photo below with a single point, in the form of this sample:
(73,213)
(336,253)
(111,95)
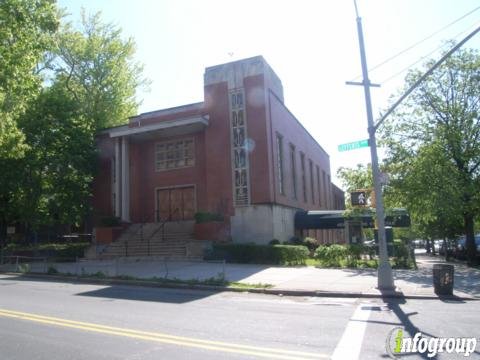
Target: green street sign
(353,145)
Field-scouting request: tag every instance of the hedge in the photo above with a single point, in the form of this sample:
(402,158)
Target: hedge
(50,250)
(260,254)
(360,256)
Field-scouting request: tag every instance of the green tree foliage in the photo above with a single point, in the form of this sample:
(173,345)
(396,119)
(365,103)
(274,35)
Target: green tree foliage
(59,163)
(26,33)
(434,148)
(58,87)
(97,67)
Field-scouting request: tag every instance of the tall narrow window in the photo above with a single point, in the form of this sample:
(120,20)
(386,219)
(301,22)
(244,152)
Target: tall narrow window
(113,176)
(310,166)
(318,187)
(280,164)
(324,182)
(304,181)
(293,170)
(240,167)
(329,189)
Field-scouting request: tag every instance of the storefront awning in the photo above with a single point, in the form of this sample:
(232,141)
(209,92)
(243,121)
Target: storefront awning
(335,219)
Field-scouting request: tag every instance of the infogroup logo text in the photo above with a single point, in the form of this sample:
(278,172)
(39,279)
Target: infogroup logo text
(397,344)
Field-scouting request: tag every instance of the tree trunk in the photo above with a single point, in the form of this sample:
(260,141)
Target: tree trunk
(470,242)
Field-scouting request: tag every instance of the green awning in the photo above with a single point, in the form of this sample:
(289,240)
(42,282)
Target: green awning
(335,219)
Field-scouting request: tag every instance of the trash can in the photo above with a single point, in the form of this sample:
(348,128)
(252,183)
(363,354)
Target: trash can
(443,279)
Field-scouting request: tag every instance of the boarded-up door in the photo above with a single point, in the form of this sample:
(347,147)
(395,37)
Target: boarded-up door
(176,203)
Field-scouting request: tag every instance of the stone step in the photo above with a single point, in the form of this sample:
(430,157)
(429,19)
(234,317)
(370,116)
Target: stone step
(152,239)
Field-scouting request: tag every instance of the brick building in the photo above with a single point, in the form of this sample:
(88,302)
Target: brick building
(240,153)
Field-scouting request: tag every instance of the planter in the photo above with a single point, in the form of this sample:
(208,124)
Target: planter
(213,231)
(106,235)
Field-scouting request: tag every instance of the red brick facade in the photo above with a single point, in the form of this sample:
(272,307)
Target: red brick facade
(270,136)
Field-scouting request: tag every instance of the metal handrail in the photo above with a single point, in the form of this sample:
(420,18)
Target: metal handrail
(160,227)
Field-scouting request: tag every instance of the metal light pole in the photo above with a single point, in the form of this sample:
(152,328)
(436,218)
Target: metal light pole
(385,277)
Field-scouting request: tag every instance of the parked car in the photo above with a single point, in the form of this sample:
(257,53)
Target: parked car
(419,243)
(461,248)
(437,245)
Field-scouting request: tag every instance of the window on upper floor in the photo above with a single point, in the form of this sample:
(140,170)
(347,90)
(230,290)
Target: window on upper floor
(304,181)
(280,164)
(293,170)
(312,189)
(174,154)
(324,182)
(319,187)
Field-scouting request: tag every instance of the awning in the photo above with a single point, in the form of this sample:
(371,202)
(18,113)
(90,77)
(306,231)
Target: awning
(335,219)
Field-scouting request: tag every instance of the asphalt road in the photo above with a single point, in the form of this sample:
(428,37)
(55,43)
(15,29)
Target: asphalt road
(57,320)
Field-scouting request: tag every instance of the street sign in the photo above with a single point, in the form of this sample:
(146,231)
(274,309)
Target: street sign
(353,145)
(359,198)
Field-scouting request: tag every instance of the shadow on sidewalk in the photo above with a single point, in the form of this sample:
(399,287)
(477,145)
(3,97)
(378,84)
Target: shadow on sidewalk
(466,280)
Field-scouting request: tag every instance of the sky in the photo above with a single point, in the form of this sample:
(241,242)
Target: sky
(312,45)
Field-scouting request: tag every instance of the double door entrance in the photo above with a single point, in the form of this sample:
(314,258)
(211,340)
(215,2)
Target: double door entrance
(174,204)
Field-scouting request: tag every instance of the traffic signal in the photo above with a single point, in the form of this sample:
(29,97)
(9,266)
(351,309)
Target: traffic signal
(359,198)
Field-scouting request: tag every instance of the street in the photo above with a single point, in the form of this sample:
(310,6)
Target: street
(59,320)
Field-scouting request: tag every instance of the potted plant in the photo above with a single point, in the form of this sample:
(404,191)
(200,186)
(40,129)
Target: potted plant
(210,226)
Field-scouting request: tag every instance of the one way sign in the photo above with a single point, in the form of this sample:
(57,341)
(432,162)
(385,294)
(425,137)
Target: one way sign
(359,198)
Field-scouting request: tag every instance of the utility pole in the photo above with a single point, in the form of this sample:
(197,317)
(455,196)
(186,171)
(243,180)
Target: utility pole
(385,277)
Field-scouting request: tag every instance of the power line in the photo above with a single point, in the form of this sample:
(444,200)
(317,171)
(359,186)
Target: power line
(425,56)
(419,42)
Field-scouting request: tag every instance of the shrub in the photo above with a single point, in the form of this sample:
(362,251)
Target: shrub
(70,251)
(261,254)
(110,221)
(204,217)
(274,242)
(355,255)
(402,258)
(52,270)
(294,240)
(310,243)
(24,268)
(331,255)
(63,251)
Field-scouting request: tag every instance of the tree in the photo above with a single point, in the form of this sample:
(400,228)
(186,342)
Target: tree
(48,125)
(96,65)
(26,33)
(59,163)
(434,148)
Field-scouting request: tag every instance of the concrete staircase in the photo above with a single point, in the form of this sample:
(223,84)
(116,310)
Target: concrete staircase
(152,239)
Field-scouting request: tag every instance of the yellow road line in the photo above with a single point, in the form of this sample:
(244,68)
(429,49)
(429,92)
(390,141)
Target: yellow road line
(166,338)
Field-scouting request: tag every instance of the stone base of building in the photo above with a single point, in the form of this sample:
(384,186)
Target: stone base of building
(260,224)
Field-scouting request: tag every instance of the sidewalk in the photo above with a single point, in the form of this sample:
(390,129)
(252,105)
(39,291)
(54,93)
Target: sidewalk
(289,280)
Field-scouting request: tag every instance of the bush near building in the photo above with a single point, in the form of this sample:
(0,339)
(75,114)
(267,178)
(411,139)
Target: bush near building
(60,252)
(261,254)
(361,256)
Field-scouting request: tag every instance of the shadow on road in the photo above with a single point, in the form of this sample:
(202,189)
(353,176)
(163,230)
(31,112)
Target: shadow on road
(408,324)
(175,296)
(122,292)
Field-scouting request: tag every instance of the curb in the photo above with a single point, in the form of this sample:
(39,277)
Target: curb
(266,291)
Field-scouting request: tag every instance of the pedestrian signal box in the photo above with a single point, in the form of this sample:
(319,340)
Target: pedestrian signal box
(359,198)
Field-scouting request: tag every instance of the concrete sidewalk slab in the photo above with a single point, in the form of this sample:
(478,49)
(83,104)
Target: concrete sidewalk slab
(300,280)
